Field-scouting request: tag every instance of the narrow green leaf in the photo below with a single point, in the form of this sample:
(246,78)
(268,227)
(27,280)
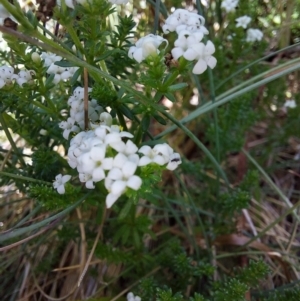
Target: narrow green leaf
(177,87)
(64,64)
(145,122)
(159,119)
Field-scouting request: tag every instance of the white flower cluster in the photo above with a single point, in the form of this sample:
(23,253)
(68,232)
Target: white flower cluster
(101,154)
(254,35)
(191,30)
(145,47)
(229,5)
(7,76)
(60,73)
(77,112)
(131,297)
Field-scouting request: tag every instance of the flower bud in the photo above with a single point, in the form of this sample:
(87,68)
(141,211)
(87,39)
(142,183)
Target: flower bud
(35,57)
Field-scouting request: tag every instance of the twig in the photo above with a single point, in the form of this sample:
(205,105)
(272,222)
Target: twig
(93,249)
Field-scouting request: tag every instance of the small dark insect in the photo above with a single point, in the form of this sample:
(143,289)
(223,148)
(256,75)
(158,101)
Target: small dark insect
(170,61)
(175,160)
(9,23)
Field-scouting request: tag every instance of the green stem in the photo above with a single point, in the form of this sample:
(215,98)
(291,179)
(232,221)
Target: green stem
(276,221)
(103,67)
(215,114)
(271,183)
(38,104)
(74,37)
(11,141)
(156,16)
(238,91)
(199,144)
(17,232)
(122,120)
(27,179)
(171,79)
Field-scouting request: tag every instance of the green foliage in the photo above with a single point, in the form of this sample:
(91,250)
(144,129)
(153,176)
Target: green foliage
(234,120)
(291,294)
(235,288)
(140,232)
(167,295)
(46,164)
(50,199)
(182,269)
(131,229)
(229,203)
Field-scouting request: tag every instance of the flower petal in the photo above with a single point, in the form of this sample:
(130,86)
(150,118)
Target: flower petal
(107,163)
(177,52)
(200,67)
(115,174)
(65,179)
(138,55)
(118,187)
(98,174)
(190,54)
(97,153)
(134,182)
(119,160)
(129,169)
(145,150)
(89,184)
(145,161)
(211,62)
(131,148)
(61,189)
(111,199)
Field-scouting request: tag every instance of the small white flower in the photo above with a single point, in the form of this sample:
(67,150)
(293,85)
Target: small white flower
(171,24)
(202,53)
(24,76)
(87,179)
(146,46)
(59,183)
(254,35)
(290,104)
(243,21)
(174,161)
(43,132)
(229,5)
(195,23)
(68,127)
(6,75)
(97,154)
(118,179)
(50,58)
(160,154)
(131,297)
(185,40)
